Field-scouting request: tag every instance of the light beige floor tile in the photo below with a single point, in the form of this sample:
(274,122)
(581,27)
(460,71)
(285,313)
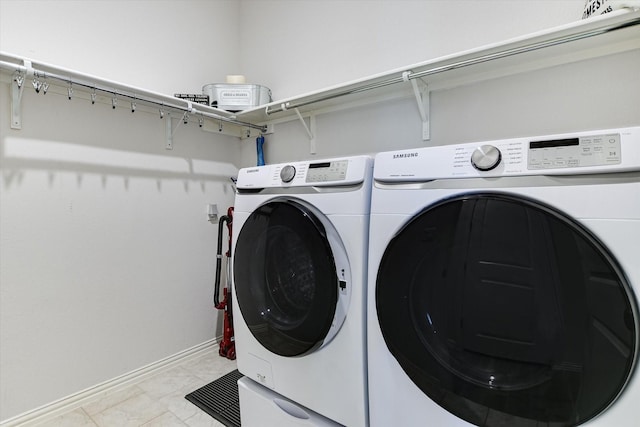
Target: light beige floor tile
(165,420)
(107,400)
(167,382)
(210,366)
(203,420)
(130,413)
(76,418)
(178,405)
(157,401)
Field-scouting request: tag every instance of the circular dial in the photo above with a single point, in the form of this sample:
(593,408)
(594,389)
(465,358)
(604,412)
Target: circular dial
(287,173)
(486,157)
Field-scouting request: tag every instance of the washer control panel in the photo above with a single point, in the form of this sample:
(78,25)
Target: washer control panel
(322,173)
(313,173)
(327,171)
(590,150)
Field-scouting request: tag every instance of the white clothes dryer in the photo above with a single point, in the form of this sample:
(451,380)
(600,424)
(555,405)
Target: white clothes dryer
(503,283)
(299,276)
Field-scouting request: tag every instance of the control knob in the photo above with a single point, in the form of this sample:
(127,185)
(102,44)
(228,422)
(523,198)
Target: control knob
(287,173)
(486,157)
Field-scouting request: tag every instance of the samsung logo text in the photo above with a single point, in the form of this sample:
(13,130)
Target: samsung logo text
(404,155)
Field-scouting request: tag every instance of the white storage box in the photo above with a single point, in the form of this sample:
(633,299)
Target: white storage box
(236,97)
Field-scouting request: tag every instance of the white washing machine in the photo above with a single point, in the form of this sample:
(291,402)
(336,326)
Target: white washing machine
(299,276)
(503,283)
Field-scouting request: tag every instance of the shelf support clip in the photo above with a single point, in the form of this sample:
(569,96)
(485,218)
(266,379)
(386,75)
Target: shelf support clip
(422,94)
(309,129)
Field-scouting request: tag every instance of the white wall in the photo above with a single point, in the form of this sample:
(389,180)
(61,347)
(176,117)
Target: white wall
(326,43)
(168,46)
(106,257)
(294,47)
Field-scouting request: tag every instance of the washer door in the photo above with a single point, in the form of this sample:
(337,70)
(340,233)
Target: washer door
(285,278)
(505,311)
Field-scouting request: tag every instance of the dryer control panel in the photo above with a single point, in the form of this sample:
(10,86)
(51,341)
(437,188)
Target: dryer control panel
(589,150)
(564,154)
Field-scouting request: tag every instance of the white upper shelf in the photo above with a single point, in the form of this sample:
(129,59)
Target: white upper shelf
(615,32)
(23,68)
(607,34)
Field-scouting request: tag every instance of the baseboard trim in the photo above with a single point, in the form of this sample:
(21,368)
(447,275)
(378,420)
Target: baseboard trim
(66,404)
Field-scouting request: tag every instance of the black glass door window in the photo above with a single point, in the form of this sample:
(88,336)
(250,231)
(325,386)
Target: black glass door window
(285,278)
(506,312)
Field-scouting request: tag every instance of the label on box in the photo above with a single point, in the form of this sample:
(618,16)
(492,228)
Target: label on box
(235,97)
(196,97)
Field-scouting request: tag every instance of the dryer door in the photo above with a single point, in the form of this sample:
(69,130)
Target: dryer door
(285,277)
(505,311)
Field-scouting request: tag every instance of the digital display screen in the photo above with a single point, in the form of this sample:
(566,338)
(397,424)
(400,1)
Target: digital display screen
(554,143)
(319,165)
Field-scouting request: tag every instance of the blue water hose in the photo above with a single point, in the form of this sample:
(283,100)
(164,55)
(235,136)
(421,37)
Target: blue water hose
(259,144)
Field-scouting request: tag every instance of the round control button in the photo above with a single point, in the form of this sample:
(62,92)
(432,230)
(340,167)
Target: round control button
(287,173)
(486,157)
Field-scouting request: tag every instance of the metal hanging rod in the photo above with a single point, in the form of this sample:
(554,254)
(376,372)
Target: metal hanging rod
(116,90)
(410,75)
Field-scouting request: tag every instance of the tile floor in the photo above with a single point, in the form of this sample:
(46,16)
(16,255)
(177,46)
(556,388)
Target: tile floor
(157,401)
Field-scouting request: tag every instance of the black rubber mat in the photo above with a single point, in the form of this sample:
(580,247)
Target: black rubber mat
(220,399)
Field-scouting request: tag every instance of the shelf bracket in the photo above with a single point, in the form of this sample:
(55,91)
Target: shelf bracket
(17,87)
(311,129)
(168,132)
(422,94)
